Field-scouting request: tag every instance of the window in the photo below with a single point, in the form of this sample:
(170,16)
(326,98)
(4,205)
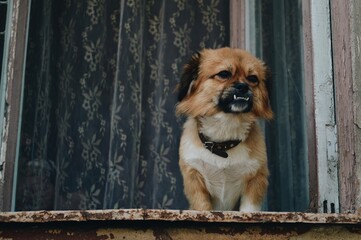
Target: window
(93,136)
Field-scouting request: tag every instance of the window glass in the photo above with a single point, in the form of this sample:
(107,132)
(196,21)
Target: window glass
(98,127)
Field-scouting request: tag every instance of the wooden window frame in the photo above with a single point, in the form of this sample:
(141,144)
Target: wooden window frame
(348,130)
(346,59)
(320,107)
(341,159)
(11,100)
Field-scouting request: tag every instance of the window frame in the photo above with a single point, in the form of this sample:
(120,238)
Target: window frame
(342,29)
(346,41)
(337,15)
(320,107)
(18,17)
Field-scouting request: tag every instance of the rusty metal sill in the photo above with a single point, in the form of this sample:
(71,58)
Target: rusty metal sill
(177,215)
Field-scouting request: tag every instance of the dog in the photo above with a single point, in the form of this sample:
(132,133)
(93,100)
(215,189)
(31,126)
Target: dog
(222,152)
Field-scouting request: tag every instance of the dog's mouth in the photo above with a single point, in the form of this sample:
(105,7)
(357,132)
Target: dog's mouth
(235,100)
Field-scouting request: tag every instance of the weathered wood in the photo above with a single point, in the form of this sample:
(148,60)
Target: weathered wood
(15,71)
(177,215)
(356,72)
(310,106)
(343,80)
(319,42)
(237,23)
(143,230)
(174,224)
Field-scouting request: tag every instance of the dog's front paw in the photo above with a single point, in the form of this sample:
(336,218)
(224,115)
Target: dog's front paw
(250,209)
(248,206)
(202,206)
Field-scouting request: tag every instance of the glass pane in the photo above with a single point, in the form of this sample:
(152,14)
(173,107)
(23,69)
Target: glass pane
(99,129)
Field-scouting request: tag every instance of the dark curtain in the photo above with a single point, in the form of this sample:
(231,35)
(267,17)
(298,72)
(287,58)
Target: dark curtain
(98,125)
(281,35)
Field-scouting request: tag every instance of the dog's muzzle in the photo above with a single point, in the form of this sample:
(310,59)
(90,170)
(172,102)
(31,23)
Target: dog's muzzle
(236,99)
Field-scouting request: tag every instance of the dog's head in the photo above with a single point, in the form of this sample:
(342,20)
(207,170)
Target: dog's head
(224,80)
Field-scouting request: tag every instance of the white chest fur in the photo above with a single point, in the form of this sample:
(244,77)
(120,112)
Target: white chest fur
(224,177)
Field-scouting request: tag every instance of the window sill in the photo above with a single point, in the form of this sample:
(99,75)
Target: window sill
(175,224)
(178,215)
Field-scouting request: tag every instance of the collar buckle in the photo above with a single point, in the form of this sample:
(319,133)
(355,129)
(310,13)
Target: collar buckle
(209,145)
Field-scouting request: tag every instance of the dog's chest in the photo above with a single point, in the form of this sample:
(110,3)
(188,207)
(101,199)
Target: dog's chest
(224,185)
(224,177)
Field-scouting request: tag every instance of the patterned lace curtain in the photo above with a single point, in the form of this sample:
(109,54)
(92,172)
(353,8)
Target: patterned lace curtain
(98,125)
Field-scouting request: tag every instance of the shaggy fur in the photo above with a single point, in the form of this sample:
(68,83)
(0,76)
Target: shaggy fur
(223,93)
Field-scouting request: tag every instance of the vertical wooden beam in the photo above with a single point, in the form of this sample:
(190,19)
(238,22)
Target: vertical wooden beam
(14,80)
(237,24)
(321,109)
(343,72)
(356,75)
(310,106)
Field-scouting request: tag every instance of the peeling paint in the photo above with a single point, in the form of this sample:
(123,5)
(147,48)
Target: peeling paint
(334,233)
(174,230)
(177,215)
(176,224)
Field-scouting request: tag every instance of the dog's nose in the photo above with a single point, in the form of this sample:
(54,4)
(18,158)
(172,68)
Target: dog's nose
(242,87)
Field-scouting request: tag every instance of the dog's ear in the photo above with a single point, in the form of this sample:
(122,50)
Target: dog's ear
(190,74)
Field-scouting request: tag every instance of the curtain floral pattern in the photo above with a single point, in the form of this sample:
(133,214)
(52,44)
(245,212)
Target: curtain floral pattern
(98,126)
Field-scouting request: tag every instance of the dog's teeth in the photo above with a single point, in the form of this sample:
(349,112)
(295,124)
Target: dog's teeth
(242,98)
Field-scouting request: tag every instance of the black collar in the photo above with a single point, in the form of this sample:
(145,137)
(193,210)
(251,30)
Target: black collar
(218,148)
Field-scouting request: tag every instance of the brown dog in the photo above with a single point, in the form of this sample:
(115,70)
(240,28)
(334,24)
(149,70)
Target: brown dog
(222,150)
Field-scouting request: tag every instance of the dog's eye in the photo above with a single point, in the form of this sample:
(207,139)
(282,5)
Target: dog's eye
(224,74)
(252,78)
